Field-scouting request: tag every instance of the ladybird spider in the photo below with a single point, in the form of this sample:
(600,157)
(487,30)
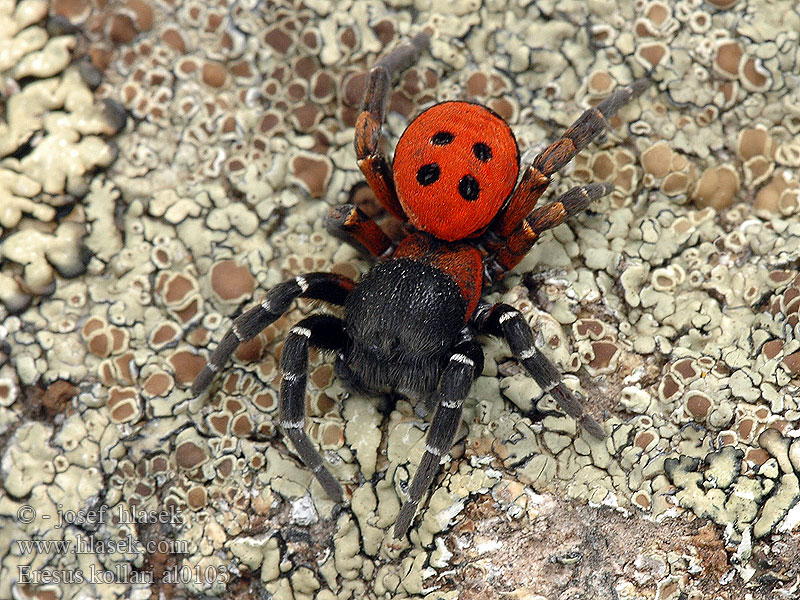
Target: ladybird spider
(410,323)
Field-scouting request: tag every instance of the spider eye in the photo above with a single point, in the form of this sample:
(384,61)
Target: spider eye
(442,138)
(428,174)
(469,188)
(482,151)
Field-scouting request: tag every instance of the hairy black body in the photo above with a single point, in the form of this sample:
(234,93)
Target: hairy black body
(400,347)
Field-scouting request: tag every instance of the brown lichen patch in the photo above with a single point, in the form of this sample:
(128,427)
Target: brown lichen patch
(142,12)
(175,288)
(242,425)
(644,439)
(754,76)
(756,456)
(219,422)
(230,281)
(685,369)
(186,366)
(163,334)
(306,117)
(322,376)
(174,39)
(121,29)
(780,196)
(190,312)
(717,187)
(745,428)
(605,355)
(756,170)
(603,166)
(772,348)
(656,159)
(792,362)
(125,368)
(123,404)
(728,55)
(187,66)
(323,87)
(753,142)
(8,392)
(588,328)
(477,84)
(100,343)
(266,401)
(76,11)
(352,85)
(670,388)
(278,39)
(92,324)
(189,454)
(313,172)
(652,55)
(698,405)
(504,107)
(119,339)
(196,497)
(615,166)
(251,350)
(658,13)
(214,74)
(600,83)
(332,435)
(158,384)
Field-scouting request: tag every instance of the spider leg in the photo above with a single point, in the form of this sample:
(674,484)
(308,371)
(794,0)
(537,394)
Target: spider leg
(321,331)
(369,123)
(349,223)
(321,286)
(509,252)
(537,176)
(507,321)
(465,363)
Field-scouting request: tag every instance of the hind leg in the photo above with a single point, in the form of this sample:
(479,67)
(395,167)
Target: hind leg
(321,331)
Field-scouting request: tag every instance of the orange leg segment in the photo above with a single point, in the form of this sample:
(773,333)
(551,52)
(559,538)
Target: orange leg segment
(349,223)
(558,154)
(369,123)
(510,251)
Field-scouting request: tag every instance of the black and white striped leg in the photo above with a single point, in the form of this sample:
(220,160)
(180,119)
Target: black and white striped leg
(321,286)
(507,321)
(465,363)
(321,331)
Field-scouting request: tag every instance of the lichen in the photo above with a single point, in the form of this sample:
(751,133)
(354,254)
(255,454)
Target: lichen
(670,305)
(53,136)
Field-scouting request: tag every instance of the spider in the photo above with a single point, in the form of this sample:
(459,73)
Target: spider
(410,323)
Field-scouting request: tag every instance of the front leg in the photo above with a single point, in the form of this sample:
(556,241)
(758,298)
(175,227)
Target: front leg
(507,321)
(322,331)
(328,287)
(537,176)
(508,252)
(465,363)
(369,123)
(350,224)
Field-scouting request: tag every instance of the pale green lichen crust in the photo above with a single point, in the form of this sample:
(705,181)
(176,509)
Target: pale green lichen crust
(53,135)
(672,306)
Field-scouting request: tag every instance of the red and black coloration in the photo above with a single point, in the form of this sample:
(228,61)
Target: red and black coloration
(409,324)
